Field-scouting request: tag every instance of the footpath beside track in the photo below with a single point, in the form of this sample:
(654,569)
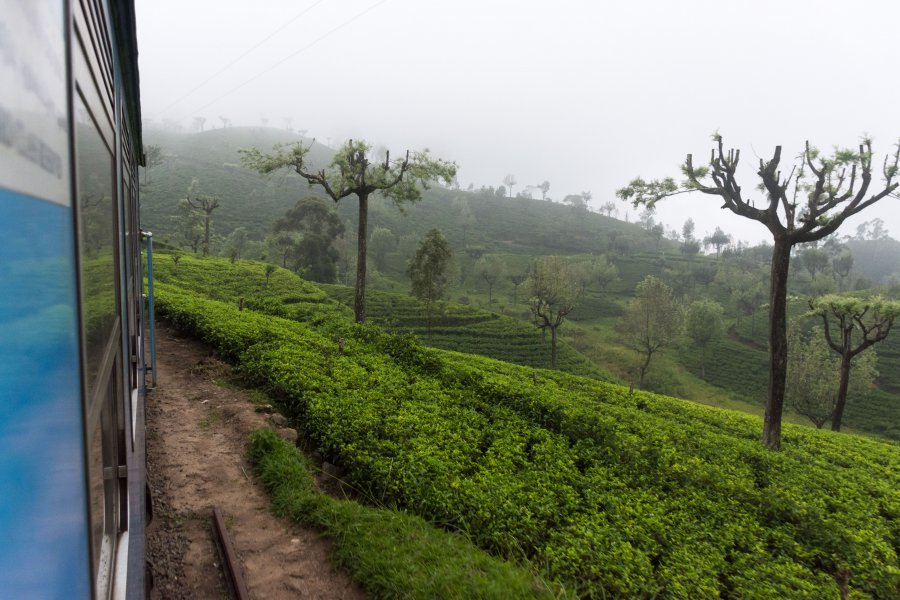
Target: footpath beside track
(198,427)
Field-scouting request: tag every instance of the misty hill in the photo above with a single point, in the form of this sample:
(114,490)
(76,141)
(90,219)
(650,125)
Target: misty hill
(876,259)
(511,225)
(246,199)
(517,230)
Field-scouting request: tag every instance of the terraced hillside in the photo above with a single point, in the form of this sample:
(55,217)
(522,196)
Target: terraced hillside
(465,329)
(458,327)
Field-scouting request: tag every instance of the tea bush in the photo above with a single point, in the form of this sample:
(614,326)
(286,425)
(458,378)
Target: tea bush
(612,493)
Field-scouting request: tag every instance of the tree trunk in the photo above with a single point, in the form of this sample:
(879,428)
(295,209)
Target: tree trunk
(781,260)
(359,305)
(206,236)
(644,368)
(553,347)
(841,402)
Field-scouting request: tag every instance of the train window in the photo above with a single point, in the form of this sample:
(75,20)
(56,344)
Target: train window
(97,231)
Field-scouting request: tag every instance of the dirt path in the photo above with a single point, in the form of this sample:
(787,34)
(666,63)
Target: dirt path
(197,433)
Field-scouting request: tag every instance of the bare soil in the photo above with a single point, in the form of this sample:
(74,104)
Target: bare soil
(198,427)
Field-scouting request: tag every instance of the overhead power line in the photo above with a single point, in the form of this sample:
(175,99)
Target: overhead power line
(289,56)
(235,61)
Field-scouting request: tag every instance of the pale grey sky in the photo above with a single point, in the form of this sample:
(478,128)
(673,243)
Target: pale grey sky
(584,94)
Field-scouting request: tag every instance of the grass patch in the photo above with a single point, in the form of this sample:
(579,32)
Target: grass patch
(391,554)
(210,421)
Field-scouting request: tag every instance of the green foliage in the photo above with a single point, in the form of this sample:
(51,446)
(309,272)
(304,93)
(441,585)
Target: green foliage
(307,233)
(382,242)
(652,320)
(428,269)
(392,554)
(490,269)
(814,375)
(555,288)
(703,322)
(614,494)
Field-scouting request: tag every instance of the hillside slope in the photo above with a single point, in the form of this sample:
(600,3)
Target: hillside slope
(614,494)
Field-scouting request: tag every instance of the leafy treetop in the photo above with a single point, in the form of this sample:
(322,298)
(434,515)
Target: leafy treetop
(353,172)
(808,204)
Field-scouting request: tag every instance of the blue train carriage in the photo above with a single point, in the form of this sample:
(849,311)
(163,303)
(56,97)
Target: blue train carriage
(72,468)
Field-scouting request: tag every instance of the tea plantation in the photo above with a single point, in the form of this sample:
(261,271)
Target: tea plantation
(610,493)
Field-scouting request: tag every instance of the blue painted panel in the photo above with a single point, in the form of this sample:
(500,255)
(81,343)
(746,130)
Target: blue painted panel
(43,520)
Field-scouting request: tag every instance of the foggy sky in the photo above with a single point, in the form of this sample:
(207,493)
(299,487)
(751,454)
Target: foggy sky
(583,94)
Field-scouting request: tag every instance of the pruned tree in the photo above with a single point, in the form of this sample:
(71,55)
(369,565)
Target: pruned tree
(237,242)
(718,240)
(554,291)
(814,375)
(579,202)
(851,326)
(466,218)
(748,294)
(544,187)
(429,270)
(657,232)
(872,230)
(841,265)
(596,269)
(517,279)
(810,386)
(352,173)
(687,230)
(205,205)
(646,218)
(651,322)
(491,269)
(704,325)
(690,248)
(609,208)
(282,245)
(509,181)
(268,273)
(813,260)
(811,202)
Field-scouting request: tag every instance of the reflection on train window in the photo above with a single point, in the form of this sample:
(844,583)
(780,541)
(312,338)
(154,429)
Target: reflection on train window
(97,238)
(97,495)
